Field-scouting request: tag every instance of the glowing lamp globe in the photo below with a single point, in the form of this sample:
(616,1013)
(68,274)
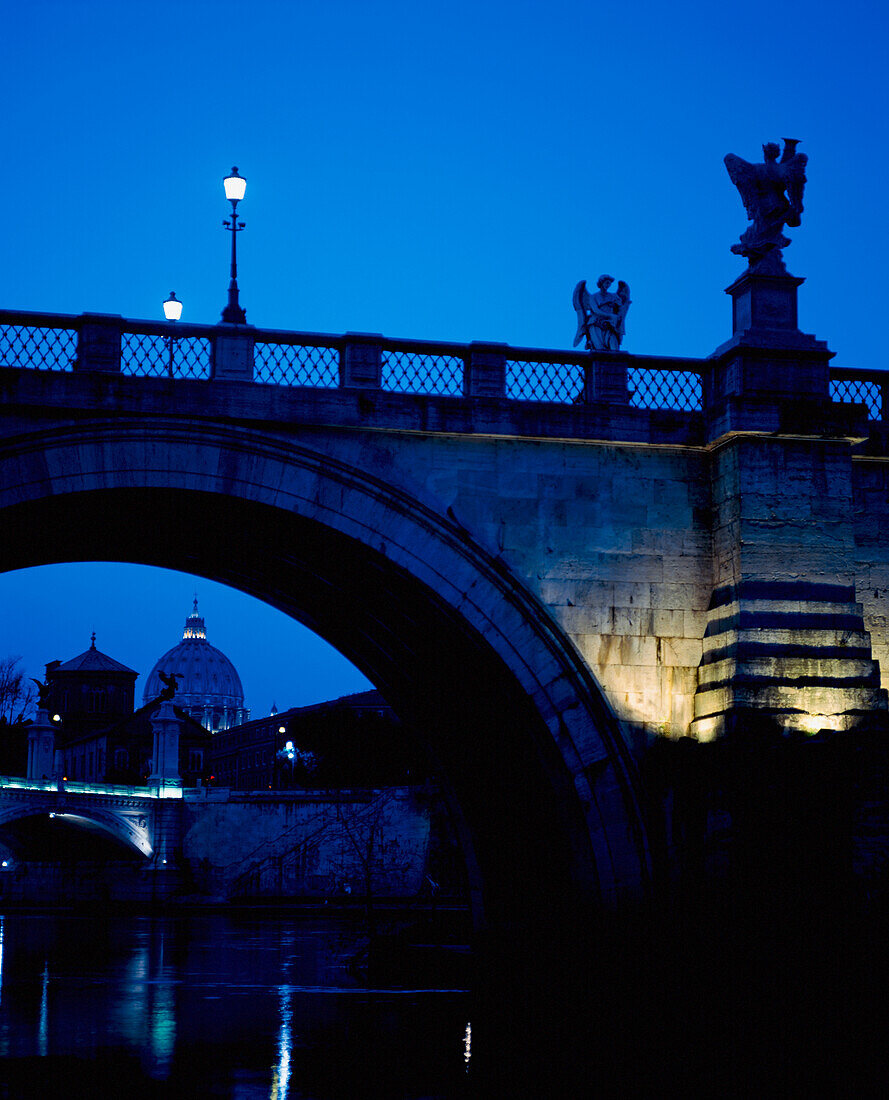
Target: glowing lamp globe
(235,186)
(172,307)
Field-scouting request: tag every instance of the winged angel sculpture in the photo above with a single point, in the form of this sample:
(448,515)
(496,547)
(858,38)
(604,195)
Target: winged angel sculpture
(600,317)
(171,685)
(772,193)
(43,693)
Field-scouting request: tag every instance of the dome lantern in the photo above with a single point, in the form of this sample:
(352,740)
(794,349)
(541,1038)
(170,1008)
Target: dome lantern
(194,625)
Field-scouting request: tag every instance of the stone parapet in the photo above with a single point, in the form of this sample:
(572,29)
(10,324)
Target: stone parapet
(784,415)
(361,365)
(485,371)
(606,379)
(763,372)
(233,353)
(770,376)
(98,344)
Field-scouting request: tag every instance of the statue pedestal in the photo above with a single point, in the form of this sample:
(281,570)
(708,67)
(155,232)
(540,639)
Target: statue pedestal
(41,747)
(764,301)
(768,365)
(764,309)
(783,544)
(165,762)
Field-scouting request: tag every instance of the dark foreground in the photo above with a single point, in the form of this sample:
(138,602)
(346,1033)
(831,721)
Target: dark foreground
(711,992)
(234,1005)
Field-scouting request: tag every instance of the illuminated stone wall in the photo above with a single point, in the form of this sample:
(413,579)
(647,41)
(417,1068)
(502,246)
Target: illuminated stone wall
(785,634)
(870,514)
(613,539)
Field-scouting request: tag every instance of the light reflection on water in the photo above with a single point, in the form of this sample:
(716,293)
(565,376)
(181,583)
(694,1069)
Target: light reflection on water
(242,1007)
(281,1072)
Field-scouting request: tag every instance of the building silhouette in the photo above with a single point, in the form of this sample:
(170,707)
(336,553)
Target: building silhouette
(98,735)
(89,691)
(353,741)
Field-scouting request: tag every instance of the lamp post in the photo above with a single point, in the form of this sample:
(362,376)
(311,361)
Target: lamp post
(235,186)
(172,312)
(288,753)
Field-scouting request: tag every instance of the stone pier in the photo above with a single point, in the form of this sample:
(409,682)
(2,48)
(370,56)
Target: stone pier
(785,635)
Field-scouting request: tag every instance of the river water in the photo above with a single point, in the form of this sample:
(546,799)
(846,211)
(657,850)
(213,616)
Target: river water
(216,1005)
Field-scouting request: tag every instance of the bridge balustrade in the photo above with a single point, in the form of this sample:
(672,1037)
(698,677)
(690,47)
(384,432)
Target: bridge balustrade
(659,388)
(860,388)
(296,359)
(147,354)
(41,341)
(59,342)
(19,783)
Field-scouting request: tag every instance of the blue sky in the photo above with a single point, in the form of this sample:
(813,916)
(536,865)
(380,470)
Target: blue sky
(438,171)
(138,613)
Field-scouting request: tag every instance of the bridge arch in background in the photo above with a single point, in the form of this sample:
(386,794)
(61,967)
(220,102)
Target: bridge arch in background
(458,646)
(121,827)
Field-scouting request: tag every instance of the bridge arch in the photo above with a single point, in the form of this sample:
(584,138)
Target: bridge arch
(125,828)
(452,638)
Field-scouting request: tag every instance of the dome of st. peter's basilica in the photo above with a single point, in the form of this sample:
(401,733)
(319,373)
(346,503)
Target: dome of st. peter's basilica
(208,685)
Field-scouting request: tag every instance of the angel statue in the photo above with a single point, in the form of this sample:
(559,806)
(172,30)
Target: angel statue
(600,317)
(772,193)
(170,685)
(43,693)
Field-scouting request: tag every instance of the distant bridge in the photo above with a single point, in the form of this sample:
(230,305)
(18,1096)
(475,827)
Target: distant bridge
(220,843)
(126,813)
(541,558)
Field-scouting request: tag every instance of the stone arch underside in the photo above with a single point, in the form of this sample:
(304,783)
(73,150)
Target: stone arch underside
(119,826)
(458,645)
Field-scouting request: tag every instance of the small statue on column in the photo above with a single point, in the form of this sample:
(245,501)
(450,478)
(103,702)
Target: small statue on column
(600,317)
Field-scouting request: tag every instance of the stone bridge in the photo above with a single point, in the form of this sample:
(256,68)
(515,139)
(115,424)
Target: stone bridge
(542,559)
(220,844)
(132,815)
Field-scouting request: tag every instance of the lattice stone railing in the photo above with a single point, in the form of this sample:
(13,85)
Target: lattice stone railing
(862,388)
(544,380)
(56,342)
(282,363)
(41,345)
(422,372)
(656,388)
(152,356)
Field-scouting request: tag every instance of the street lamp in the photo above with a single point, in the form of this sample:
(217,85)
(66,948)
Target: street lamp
(288,753)
(172,312)
(234,186)
(172,307)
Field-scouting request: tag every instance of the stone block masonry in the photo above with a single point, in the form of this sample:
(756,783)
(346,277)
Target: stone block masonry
(616,545)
